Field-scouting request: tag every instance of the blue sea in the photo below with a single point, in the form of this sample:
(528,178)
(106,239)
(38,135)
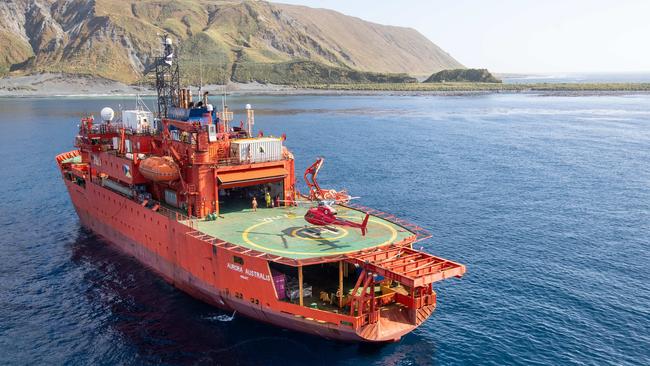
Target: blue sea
(545,199)
(574,77)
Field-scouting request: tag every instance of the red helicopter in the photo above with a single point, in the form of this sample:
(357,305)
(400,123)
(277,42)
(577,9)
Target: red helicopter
(324,214)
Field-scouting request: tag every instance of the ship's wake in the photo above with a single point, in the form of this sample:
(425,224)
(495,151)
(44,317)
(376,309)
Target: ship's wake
(223,317)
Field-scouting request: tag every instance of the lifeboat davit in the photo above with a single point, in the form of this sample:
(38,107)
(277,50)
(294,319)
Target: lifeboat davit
(159,169)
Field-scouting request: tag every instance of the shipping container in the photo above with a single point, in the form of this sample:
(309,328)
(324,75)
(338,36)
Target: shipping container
(256,150)
(138,120)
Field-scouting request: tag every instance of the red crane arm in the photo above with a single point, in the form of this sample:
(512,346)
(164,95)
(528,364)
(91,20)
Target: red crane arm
(310,178)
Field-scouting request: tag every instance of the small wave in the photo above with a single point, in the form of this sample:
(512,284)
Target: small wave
(533,77)
(222,317)
(562,112)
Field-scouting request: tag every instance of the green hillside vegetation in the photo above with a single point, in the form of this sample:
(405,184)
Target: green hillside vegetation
(463,75)
(310,72)
(201,56)
(227,40)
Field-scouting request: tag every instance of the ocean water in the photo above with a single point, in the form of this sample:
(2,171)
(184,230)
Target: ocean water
(545,199)
(573,77)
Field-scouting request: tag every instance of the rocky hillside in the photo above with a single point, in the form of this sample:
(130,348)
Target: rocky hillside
(238,40)
(463,75)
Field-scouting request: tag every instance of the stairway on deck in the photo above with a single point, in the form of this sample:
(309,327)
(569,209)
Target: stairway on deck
(423,313)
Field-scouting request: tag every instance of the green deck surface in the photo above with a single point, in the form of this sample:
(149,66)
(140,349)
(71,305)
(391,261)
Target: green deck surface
(283,231)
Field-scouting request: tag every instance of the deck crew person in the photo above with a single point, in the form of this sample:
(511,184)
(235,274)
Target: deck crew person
(254,204)
(267,197)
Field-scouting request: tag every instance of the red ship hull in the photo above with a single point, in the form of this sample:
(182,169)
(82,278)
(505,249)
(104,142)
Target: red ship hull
(119,220)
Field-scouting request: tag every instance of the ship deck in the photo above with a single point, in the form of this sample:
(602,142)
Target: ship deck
(283,231)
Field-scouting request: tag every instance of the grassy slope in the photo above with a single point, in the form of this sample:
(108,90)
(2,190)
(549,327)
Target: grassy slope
(232,43)
(463,75)
(15,50)
(116,39)
(379,48)
(301,72)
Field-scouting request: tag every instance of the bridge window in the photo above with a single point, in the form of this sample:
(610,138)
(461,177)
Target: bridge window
(238,260)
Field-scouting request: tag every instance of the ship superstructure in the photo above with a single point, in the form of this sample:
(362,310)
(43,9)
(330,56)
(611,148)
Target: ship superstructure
(176,191)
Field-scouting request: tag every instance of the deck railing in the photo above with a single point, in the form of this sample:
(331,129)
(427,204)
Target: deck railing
(178,216)
(231,161)
(117,127)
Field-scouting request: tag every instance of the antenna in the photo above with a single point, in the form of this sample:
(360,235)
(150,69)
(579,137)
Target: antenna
(200,73)
(140,104)
(250,119)
(223,99)
(225,96)
(225,115)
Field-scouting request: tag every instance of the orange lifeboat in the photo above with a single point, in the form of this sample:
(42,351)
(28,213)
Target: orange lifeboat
(159,169)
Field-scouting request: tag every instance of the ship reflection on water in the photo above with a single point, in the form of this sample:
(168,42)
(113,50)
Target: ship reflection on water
(155,323)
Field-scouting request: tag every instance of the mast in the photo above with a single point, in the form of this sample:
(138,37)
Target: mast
(200,74)
(167,78)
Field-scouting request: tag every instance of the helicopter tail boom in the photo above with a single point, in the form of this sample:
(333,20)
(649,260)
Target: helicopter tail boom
(364,224)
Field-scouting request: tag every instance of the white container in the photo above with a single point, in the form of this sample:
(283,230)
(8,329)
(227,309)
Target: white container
(256,150)
(140,121)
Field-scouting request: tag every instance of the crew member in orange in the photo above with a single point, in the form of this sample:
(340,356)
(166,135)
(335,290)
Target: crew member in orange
(254,204)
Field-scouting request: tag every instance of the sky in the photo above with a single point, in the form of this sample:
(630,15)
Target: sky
(521,36)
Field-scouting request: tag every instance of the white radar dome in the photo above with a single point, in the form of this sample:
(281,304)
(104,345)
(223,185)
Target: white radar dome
(209,107)
(107,114)
(248,106)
